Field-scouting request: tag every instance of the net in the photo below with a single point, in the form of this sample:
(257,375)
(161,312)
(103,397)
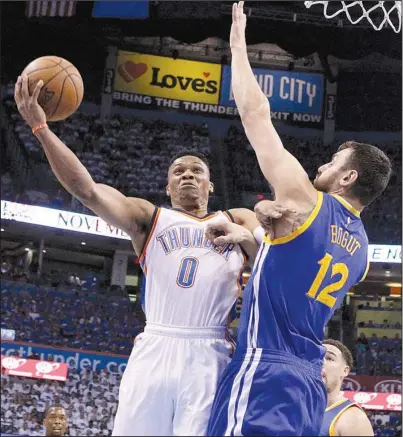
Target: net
(390,16)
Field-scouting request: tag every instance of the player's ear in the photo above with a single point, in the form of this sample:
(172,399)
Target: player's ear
(168,191)
(211,188)
(346,371)
(349,178)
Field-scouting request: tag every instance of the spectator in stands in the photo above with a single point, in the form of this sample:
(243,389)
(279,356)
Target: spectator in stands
(56,421)
(100,402)
(385,324)
(397,341)
(398,428)
(24,430)
(362,342)
(374,341)
(56,314)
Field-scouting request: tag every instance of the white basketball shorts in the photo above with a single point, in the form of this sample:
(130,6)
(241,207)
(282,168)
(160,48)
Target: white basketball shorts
(170,381)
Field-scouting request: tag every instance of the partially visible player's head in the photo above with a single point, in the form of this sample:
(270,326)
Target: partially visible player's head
(360,171)
(56,421)
(189,183)
(337,364)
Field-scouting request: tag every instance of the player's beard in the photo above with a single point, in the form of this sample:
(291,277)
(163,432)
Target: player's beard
(324,184)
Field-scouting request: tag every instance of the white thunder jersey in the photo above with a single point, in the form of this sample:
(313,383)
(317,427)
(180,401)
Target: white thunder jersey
(190,282)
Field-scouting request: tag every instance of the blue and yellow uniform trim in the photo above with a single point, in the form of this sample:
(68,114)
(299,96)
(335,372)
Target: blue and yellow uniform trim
(332,415)
(347,205)
(301,229)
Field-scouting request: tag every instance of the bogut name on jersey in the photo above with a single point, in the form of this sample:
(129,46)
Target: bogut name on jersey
(186,237)
(342,238)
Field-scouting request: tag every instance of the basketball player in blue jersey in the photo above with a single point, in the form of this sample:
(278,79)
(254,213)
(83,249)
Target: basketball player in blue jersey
(342,417)
(273,385)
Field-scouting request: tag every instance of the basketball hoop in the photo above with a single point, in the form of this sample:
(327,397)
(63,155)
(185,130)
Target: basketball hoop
(394,11)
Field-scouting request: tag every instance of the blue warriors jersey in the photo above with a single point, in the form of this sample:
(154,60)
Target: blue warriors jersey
(332,414)
(299,280)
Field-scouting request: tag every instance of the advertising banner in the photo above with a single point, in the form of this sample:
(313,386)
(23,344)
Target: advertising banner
(375,401)
(378,384)
(73,358)
(28,368)
(385,253)
(54,218)
(294,96)
(149,81)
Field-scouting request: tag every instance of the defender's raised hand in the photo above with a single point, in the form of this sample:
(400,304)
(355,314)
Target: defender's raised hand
(27,104)
(237,37)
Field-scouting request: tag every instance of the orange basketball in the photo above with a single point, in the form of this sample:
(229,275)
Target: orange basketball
(63,87)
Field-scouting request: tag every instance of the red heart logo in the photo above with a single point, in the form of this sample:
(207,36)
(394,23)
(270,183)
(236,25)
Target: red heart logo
(206,75)
(131,71)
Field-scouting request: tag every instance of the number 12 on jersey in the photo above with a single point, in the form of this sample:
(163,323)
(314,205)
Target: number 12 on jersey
(187,272)
(324,295)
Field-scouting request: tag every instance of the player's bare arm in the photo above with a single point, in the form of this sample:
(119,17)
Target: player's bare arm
(246,229)
(223,232)
(289,180)
(246,218)
(267,210)
(353,422)
(132,215)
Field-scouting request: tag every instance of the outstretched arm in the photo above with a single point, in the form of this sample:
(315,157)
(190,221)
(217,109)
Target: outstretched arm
(280,168)
(131,215)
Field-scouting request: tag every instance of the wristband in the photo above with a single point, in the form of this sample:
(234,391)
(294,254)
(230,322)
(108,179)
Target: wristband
(35,129)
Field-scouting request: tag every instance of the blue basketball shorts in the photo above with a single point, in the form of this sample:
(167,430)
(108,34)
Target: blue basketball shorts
(268,393)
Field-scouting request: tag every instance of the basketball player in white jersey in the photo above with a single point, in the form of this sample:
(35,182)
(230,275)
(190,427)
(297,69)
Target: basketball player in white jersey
(191,285)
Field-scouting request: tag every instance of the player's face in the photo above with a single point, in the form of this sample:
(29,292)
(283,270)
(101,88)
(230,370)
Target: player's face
(335,175)
(189,181)
(56,422)
(334,368)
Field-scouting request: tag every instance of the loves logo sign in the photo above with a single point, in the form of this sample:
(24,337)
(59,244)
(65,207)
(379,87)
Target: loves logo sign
(176,79)
(130,71)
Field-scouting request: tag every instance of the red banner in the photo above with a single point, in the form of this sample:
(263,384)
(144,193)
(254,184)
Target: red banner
(378,384)
(34,368)
(375,401)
